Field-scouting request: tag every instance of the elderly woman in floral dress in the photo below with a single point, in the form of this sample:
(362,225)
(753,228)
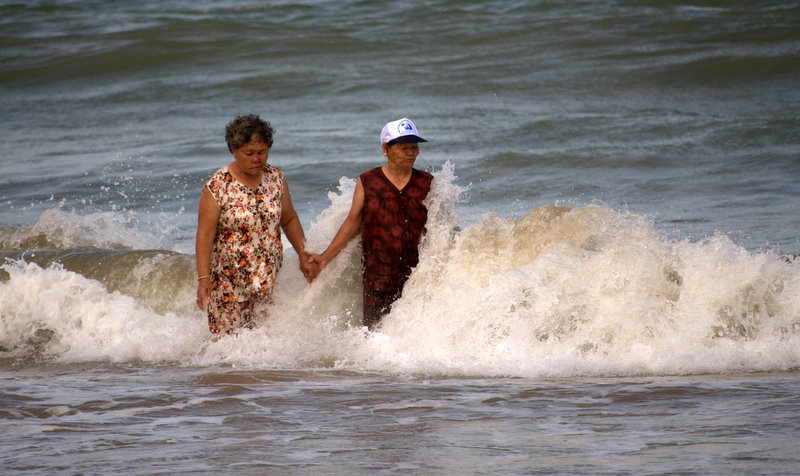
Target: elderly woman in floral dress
(243,208)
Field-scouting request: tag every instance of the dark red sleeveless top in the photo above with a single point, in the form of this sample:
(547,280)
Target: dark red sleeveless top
(393,224)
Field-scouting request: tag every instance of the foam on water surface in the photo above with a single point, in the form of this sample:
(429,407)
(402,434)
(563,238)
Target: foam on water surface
(562,291)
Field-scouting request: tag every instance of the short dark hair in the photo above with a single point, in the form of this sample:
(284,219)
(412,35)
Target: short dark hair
(241,130)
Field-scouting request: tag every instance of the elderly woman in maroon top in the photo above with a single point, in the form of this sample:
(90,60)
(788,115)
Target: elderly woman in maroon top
(387,209)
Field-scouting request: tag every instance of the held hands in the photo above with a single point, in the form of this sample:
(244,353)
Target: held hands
(319,260)
(309,268)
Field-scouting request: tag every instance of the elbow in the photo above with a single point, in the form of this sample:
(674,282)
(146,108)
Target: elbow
(289,218)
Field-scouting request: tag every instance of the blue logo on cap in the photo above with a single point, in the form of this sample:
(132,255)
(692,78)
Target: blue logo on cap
(405,126)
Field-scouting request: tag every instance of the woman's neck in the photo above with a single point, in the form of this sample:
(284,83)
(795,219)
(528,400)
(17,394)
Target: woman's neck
(251,181)
(398,176)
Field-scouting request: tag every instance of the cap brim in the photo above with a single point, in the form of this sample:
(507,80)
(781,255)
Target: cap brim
(406,139)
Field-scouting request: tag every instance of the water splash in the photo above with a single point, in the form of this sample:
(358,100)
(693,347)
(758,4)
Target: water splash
(562,291)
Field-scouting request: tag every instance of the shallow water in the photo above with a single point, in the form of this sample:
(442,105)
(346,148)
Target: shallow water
(107,419)
(609,281)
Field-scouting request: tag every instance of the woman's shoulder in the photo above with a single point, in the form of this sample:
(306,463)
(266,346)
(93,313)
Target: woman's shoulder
(422,173)
(270,171)
(269,168)
(372,172)
(219,179)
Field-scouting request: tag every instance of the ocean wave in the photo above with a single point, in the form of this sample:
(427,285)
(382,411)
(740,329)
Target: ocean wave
(60,229)
(563,291)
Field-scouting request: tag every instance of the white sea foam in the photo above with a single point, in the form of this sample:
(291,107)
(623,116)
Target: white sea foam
(55,313)
(560,292)
(59,228)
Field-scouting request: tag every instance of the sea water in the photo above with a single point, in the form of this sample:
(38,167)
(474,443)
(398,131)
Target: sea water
(608,282)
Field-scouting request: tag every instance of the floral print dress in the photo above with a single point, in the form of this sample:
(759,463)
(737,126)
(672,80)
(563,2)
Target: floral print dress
(247,252)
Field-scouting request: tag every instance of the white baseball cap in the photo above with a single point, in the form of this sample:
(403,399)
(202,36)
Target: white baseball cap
(401,130)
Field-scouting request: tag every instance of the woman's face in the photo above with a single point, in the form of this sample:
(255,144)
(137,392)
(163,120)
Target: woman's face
(402,154)
(252,157)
